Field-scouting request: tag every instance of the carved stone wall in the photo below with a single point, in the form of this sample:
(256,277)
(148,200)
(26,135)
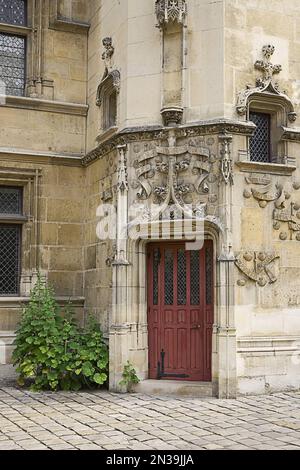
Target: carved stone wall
(183,174)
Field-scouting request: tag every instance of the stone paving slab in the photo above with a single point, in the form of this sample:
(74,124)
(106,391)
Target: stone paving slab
(104,420)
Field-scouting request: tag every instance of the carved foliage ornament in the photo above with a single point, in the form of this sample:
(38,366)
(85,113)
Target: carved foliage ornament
(122,170)
(171,162)
(268,69)
(257,266)
(172,116)
(265,83)
(226,162)
(170,11)
(176,181)
(155,134)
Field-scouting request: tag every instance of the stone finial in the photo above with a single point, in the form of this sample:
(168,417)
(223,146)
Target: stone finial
(122,173)
(108,52)
(170,11)
(266,67)
(266,83)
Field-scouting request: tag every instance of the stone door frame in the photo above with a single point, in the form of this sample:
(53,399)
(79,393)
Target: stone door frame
(128,335)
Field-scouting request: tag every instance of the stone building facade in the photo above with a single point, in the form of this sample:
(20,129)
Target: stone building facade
(149,169)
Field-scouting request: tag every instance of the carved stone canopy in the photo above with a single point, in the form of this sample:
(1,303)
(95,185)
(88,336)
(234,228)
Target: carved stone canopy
(114,77)
(266,85)
(170,11)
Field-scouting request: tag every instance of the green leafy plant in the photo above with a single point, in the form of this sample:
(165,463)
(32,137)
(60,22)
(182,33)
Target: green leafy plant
(52,351)
(129,377)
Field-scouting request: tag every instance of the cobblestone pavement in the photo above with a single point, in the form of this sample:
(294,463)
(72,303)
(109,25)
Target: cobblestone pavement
(103,420)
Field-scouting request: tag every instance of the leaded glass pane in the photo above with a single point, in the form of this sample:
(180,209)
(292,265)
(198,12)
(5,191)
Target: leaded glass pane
(169,288)
(10,201)
(112,109)
(260,142)
(209,275)
(10,237)
(13,12)
(181,277)
(195,277)
(156,260)
(12,63)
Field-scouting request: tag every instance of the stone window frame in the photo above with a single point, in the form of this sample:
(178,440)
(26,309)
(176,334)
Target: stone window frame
(282,113)
(27,33)
(276,108)
(14,219)
(61,23)
(28,181)
(108,92)
(110,85)
(265,120)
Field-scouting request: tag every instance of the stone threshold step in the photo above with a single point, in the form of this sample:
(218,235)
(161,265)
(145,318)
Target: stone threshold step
(174,388)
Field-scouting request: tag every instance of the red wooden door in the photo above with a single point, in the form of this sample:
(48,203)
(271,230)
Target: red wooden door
(180,311)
